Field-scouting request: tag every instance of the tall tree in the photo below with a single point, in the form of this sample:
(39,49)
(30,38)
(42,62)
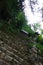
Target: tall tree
(14,8)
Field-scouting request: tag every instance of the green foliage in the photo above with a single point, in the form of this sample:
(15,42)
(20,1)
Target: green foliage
(18,17)
(40,39)
(27,28)
(15,13)
(36,26)
(20,20)
(42,32)
(13,7)
(39,46)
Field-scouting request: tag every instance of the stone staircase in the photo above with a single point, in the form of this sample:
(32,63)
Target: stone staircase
(13,50)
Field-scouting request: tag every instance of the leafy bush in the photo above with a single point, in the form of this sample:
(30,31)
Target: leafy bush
(40,39)
(20,20)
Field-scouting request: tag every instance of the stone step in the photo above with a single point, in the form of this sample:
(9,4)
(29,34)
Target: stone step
(8,58)
(15,51)
(12,49)
(2,62)
(11,54)
(1,42)
(12,46)
(11,37)
(8,36)
(14,56)
(11,43)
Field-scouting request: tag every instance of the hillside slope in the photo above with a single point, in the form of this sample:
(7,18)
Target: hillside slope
(15,50)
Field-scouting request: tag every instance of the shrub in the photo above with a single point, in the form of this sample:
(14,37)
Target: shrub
(40,39)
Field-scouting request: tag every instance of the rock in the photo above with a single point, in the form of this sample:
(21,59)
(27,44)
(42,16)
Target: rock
(8,58)
(34,49)
(3,55)
(1,42)
(40,63)
(2,62)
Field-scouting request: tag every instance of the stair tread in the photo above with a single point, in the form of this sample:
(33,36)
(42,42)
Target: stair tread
(11,50)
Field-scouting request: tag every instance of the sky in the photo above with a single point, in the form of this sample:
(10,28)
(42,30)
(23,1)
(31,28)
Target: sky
(37,17)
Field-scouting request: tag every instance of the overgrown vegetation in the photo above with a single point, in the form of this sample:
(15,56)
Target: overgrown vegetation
(14,20)
(40,39)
